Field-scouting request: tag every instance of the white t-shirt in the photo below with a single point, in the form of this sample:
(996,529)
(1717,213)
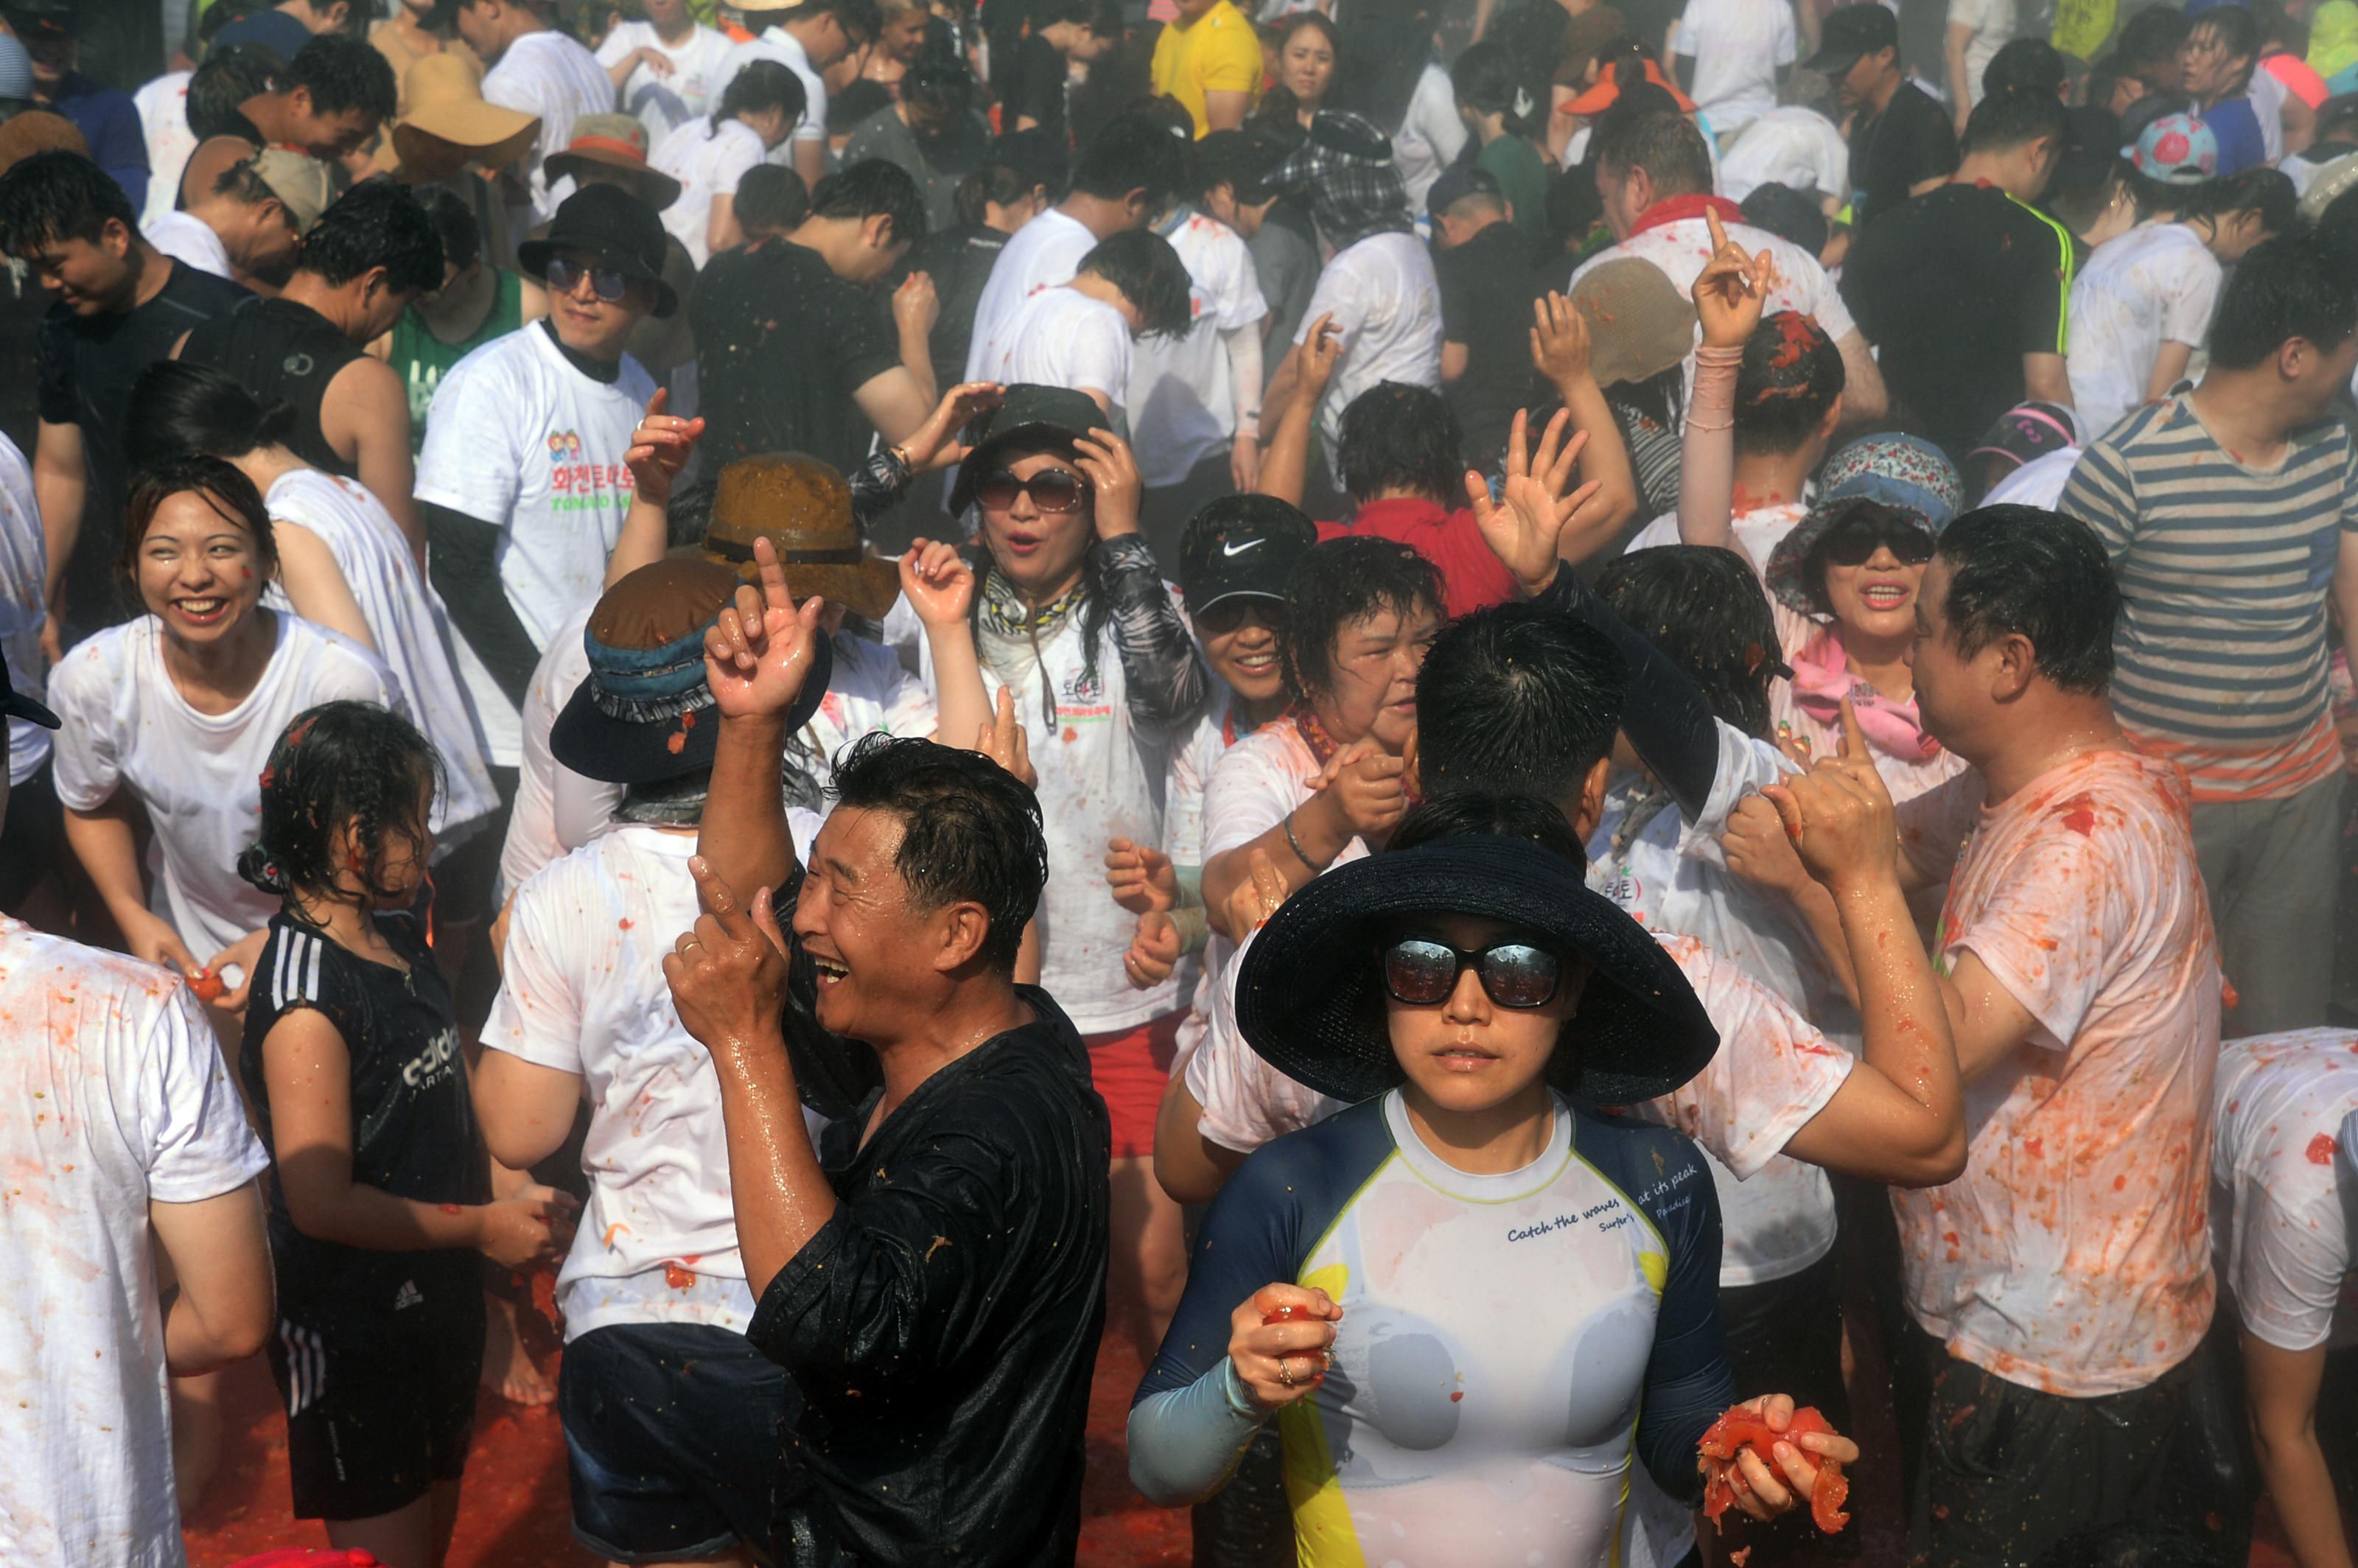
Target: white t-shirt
(405,620)
(870,691)
(1061,336)
(707,161)
(1683,248)
(197,775)
(556,810)
(2158,283)
(163,106)
(2268,92)
(1738,48)
(550,75)
(2039,483)
(582,992)
(777,44)
(2283,1187)
(1101,778)
(663,102)
(1182,399)
(1993,25)
(1759,531)
(519,438)
(1254,785)
(1429,137)
(1791,145)
(23,558)
(124,1100)
(1387,307)
(185,237)
(1045,252)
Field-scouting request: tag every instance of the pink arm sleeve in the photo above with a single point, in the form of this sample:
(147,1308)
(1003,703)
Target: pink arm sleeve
(1707,456)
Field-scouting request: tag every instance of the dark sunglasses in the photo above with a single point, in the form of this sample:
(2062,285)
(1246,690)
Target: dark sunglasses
(1051,490)
(607,283)
(1515,974)
(1854,541)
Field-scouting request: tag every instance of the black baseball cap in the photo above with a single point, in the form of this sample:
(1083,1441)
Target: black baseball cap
(1457,183)
(15,704)
(1850,31)
(1242,547)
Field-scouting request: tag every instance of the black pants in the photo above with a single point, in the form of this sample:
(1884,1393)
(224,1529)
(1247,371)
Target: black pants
(2009,1470)
(1784,1337)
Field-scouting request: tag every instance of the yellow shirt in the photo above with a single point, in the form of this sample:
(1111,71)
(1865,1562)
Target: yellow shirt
(1219,53)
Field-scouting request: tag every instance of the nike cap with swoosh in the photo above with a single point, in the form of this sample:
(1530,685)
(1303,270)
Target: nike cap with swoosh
(1241,546)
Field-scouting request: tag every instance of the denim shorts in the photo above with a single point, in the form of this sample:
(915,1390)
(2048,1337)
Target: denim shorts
(673,1432)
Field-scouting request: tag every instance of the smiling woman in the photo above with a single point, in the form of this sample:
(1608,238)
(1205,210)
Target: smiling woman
(170,718)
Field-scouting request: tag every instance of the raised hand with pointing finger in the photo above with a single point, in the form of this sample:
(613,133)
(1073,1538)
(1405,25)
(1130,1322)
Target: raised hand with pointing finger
(1839,816)
(1732,290)
(763,648)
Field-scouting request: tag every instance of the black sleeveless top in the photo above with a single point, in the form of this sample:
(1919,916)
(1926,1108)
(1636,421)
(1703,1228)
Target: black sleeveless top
(282,353)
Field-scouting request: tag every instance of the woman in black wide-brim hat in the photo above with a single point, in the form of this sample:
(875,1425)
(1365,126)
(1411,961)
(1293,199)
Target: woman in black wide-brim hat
(1472,1298)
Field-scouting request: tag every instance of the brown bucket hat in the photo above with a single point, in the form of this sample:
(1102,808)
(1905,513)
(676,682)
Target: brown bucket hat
(804,508)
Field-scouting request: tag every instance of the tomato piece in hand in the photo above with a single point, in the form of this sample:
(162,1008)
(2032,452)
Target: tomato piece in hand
(209,986)
(1740,1429)
(1288,1314)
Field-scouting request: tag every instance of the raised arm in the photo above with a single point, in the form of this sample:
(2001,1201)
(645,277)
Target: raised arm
(940,585)
(1294,393)
(1729,295)
(660,449)
(1166,683)
(1903,1115)
(756,658)
(1560,346)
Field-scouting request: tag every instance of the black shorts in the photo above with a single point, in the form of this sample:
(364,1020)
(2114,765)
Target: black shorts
(2009,1470)
(673,1431)
(33,836)
(378,1407)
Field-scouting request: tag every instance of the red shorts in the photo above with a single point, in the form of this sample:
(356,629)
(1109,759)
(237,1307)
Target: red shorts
(1131,1068)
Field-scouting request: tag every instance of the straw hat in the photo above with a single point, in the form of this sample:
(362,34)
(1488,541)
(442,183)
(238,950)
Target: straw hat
(446,104)
(1639,324)
(804,508)
(617,142)
(38,131)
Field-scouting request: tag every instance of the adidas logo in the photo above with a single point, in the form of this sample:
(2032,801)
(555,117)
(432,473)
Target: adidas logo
(407,1296)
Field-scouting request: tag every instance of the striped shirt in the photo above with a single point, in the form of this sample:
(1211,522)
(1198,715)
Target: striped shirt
(2224,572)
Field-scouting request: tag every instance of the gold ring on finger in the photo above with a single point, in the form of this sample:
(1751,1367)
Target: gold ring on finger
(1285,1372)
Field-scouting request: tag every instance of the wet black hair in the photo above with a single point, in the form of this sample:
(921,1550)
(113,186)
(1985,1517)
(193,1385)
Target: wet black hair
(1142,264)
(970,830)
(1790,374)
(177,407)
(1517,698)
(2007,120)
(375,223)
(1705,611)
(228,491)
(225,78)
(2235,28)
(343,73)
(763,85)
(2150,39)
(772,199)
(1133,152)
(1279,106)
(939,82)
(1395,436)
(993,182)
(2021,570)
(2266,191)
(1488,814)
(1489,79)
(1243,161)
(337,764)
(1343,580)
(2286,288)
(871,189)
(454,221)
(1667,146)
(55,197)
(2026,65)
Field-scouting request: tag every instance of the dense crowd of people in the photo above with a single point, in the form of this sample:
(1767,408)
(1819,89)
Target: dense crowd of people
(1565,747)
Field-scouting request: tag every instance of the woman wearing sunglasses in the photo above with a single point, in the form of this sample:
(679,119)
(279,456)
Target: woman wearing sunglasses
(1844,579)
(1469,1302)
(1071,617)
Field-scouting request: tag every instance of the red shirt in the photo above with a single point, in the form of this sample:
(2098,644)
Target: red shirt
(1471,577)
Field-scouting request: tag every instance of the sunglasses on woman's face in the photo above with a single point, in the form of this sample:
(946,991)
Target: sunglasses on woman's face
(1051,490)
(607,283)
(1423,973)
(1854,541)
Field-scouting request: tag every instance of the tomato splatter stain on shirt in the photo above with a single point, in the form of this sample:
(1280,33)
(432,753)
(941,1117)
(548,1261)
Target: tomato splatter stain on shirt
(2078,815)
(677,1277)
(2321,1150)
(623,924)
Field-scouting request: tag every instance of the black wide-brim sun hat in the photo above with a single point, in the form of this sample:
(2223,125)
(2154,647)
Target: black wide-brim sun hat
(1310,996)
